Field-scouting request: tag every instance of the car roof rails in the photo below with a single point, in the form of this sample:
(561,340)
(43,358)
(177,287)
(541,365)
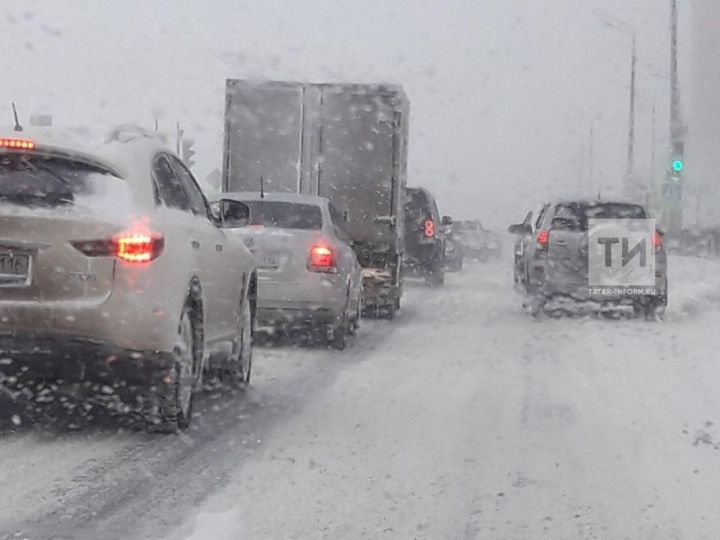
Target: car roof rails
(129,132)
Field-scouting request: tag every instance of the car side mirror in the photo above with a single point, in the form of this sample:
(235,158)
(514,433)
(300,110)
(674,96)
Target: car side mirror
(446,220)
(520,228)
(230,214)
(215,212)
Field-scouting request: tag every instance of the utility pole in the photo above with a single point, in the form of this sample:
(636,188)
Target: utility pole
(630,181)
(179,132)
(653,152)
(674,210)
(591,156)
(675,122)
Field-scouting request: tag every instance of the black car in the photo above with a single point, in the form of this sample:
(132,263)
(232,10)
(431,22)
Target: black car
(424,237)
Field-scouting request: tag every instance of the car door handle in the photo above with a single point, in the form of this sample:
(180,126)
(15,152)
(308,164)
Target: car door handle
(195,244)
(218,247)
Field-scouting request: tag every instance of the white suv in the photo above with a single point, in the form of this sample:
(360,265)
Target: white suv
(114,268)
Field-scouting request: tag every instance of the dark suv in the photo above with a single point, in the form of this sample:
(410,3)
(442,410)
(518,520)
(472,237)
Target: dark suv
(562,247)
(424,237)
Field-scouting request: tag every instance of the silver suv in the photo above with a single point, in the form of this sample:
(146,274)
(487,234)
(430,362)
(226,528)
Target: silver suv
(554,256)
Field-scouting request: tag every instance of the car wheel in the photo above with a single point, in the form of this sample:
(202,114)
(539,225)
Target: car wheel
(534,305)
(389,311)
(355,322)
(175,396)
(340,334)
(655,311)
(241,368)
(436,276)
(341,330)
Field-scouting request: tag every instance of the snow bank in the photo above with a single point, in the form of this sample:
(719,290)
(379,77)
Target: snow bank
(693,287)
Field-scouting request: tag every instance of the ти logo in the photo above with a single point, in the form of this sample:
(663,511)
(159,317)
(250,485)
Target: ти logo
(621,253)
(627,254)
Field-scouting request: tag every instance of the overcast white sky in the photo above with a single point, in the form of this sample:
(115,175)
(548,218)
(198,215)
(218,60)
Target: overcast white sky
(502,91)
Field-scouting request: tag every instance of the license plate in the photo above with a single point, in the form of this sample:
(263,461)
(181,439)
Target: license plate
(269,261)
(14,268)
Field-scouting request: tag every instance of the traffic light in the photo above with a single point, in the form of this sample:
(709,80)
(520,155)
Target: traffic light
(677,163)
(188,152)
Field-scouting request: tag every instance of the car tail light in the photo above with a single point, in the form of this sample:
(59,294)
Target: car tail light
(322,259)
(429,228)
(138,247)
(657,240)
(17,144)
(129,247)
(543,238)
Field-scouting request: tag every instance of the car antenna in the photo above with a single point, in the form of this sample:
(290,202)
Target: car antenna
(599,193)
(262,188)
(17,127)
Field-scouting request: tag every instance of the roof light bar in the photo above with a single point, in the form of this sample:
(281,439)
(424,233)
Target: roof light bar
(17,144)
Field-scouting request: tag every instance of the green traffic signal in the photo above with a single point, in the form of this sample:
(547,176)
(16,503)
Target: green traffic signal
(678,165)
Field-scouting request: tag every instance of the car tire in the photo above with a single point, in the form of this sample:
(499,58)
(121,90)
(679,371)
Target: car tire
(355,321)
(240,368)
(654,311)
(342,328)
(175,394)
(340,334)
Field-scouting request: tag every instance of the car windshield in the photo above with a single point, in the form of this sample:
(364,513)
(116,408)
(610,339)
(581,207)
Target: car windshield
(284,215)
(417,206)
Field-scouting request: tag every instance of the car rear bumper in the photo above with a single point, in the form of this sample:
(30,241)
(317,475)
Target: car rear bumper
(422,258)
(73,358)
(314,291)
(319,298)
(270,319)
(124,320)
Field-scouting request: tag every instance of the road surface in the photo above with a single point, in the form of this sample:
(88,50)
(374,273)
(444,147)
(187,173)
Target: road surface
(461,419)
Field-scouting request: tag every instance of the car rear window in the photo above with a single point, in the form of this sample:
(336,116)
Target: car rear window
(284,215)
(39,181)
(417,210)
(576,216)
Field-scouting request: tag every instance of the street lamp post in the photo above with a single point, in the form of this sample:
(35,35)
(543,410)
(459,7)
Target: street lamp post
(625,28)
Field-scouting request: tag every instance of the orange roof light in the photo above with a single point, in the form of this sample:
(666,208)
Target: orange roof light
(17,144)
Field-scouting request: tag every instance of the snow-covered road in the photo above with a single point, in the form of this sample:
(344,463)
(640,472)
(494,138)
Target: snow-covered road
(461,419)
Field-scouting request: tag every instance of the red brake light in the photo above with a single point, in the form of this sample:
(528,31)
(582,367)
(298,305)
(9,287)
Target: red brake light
(138,247)
(429,228)
(322,259)
(17,144)
(543,238)
(129,247)
(657,240)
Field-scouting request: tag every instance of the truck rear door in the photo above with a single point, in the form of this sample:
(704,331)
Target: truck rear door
(356,163)
(263,136)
